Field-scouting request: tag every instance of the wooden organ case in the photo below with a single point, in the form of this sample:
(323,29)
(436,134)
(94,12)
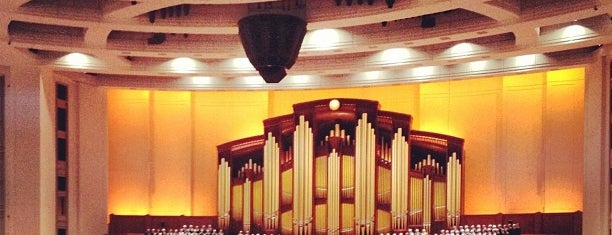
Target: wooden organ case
(340,166)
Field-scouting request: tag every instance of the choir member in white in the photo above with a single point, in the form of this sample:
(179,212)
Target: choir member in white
(491,229)
(410,232)
(185,230)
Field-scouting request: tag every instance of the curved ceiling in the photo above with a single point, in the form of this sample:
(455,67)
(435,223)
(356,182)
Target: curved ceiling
(194,44)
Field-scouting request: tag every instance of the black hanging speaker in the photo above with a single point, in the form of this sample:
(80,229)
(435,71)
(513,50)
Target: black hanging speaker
(272,43)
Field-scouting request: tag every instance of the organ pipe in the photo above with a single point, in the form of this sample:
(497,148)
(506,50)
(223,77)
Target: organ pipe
(400,163)
(333,193)
(427,202)
(223,180)
(271,183)
(453,193)
(364,180)
(246,205)
(302,178)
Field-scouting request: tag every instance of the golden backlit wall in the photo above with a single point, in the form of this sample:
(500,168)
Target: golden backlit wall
(162,147)
(523,139)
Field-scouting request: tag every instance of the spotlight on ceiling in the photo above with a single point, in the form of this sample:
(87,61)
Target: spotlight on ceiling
(272,42)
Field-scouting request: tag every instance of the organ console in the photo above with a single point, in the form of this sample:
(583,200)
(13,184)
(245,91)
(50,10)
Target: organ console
(349,168)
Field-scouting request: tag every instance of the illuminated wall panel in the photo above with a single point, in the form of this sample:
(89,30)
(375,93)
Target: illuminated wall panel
(534,132)
(564,127)
(129,149)
(171,153)
(460,108)
(434,107)
(522,135)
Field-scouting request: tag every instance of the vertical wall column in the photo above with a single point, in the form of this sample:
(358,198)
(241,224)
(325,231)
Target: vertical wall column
(271,183)
(365,144)
(223,194)
(400,163)
(453,192)
(302,178)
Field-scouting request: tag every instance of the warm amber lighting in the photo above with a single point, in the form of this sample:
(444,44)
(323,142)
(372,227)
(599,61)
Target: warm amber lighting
(487,112)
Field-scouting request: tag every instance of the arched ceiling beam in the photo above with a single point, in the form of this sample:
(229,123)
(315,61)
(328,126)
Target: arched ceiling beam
(125,9)
(526,36)
(96,36)
(496,12)
(13,5)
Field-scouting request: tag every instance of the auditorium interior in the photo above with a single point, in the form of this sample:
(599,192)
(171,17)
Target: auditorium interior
(352,117)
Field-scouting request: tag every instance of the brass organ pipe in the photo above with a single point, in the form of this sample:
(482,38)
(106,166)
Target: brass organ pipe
(309,180)
(224,192)
(276,186)
(358,155)
(458,190)
(332,190)
(271,172)
(449,189)
(228,186)
(418,193)
(452,192)
(220,192)
(246,208)
(371,179)
(427,202)
(394,184)
(405,171)
(266,183)
(296,176)
(412,200)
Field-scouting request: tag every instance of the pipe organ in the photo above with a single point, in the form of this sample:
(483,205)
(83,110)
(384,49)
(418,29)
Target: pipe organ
(349,169)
